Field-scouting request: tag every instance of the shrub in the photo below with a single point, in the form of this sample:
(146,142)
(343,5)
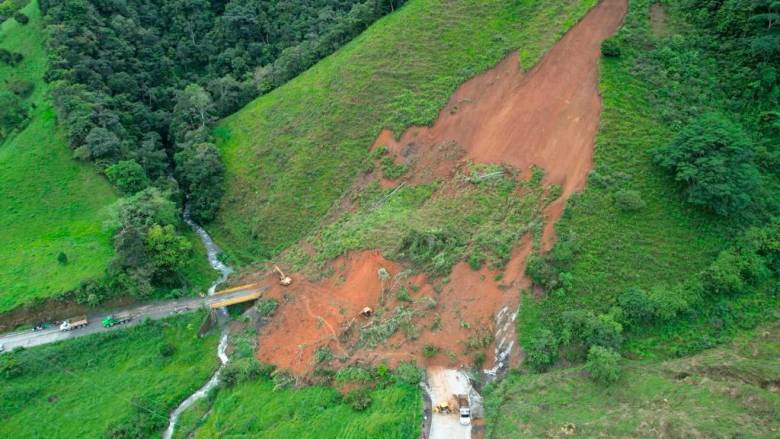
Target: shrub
(611,48)
(322,354)
(713,158)
(606,332)
(637,306)
(479,360)
(430,351)
(353,374)
(167,350)
(12,113)
(475,260)
(10,367)
(21,18)
(403,295)
(267,307)
(21,87)
(629,200)
(62,258)
(668,302)
(359,399)
(541,351)
(408,372)
(603,365)
(391,170)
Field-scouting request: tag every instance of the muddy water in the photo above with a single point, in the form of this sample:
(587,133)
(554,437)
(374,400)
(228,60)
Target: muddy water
(212,251)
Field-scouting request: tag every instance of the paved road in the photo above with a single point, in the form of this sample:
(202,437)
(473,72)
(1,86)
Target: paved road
(155,311)
(444,383)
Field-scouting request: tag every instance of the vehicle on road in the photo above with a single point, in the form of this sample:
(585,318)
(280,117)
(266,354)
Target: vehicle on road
(464,407)
(74,323)
(2,347)
(116,319)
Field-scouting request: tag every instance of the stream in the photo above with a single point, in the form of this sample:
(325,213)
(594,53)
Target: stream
(212,251)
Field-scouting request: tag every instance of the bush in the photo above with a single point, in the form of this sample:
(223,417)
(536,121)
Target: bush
(637,306)
(713,158)
(611,48)
(21,87)
(629,200)
(12,113)
(322,354)
(390,170)
(668,302)
(241,370)
(403,295)
(10,367)
(167,350)
(430,351)
(62,258)
(541,351)
(479,360)
(408,372)
(21,18)
(267,307)
(603,365)
(359,399)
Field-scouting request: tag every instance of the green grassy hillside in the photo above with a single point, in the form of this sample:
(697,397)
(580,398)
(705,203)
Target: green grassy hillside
(256,410)
(49,203)
(726,392)
(124,380)
(292,153)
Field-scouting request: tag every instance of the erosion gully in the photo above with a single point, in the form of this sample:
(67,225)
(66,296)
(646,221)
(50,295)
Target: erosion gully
(212,251)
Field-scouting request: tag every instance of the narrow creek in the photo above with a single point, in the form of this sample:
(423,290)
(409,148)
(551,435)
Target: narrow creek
(212,251)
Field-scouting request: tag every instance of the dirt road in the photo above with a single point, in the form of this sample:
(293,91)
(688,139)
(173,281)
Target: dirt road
(155,311)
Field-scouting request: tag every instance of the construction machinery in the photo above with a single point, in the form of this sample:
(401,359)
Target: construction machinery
(283,280)
(74,323)
(116,319)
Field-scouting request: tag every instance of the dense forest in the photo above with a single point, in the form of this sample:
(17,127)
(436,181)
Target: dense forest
(714,84)
(137,85)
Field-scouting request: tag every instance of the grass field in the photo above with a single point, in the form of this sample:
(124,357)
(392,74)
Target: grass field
(292,153)
(726,392)
(87,386)
(49,203)
(255,410)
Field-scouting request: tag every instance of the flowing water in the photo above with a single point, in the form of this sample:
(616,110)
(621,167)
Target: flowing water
(212,251)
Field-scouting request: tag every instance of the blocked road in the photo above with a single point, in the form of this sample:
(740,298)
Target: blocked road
(443,384)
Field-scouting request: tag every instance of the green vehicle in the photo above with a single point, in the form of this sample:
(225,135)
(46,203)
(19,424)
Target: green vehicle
(116,319)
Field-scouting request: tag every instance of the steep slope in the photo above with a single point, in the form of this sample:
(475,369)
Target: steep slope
(292,153)
(49,204)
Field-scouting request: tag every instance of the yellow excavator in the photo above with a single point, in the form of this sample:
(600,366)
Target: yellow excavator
(283,280)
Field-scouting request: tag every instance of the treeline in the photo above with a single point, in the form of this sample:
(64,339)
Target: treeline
(137,86)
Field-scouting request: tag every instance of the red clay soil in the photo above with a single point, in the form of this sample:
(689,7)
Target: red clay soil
(548,118)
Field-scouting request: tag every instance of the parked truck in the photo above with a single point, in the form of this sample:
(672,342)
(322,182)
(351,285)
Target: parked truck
(74,323)
(116,319)
(464,407)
